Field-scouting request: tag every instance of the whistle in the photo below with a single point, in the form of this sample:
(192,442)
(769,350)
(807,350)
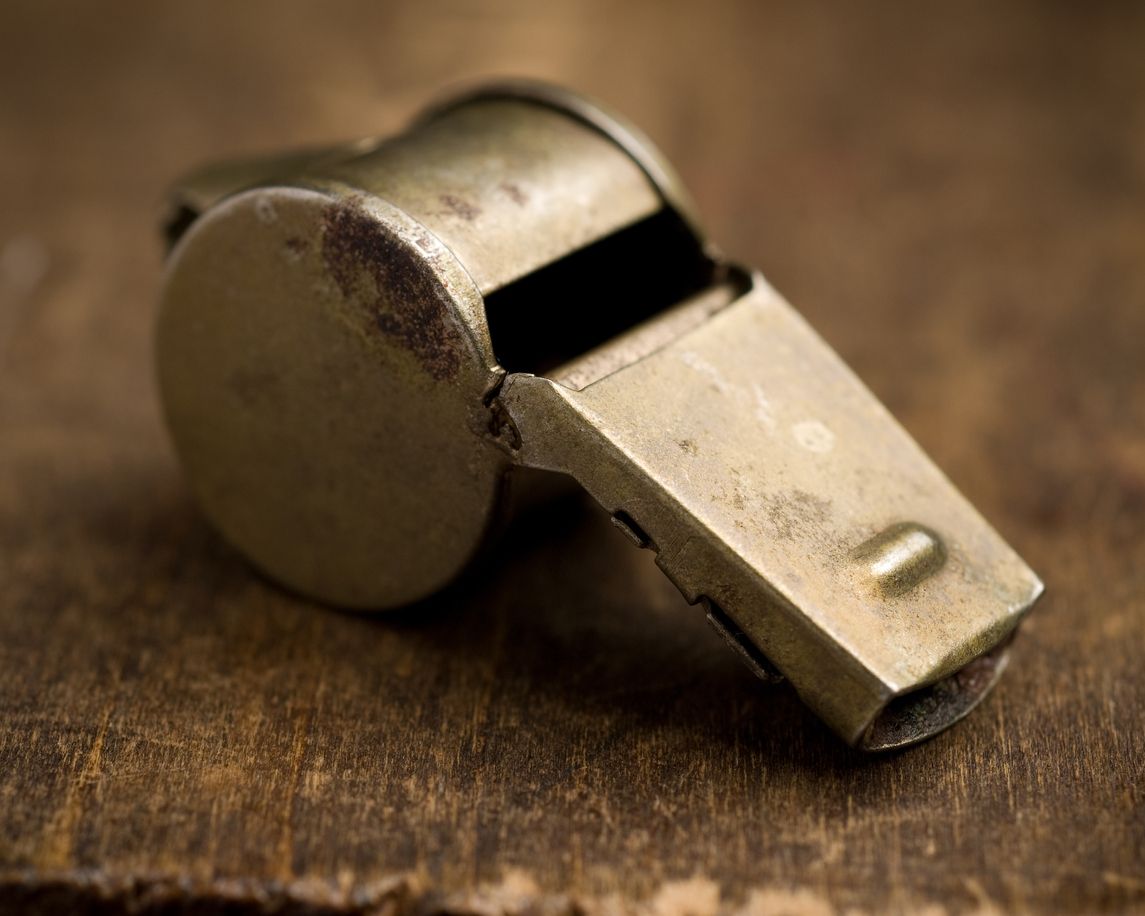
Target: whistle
(356,346)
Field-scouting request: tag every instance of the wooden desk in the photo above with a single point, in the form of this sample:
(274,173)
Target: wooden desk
(955,200)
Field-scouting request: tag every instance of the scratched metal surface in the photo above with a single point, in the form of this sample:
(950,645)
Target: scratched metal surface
(956,201)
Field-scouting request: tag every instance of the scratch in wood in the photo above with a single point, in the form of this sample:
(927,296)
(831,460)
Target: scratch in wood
(61,838)
(303,727)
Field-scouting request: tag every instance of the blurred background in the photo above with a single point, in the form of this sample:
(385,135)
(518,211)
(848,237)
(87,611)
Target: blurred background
(953,194)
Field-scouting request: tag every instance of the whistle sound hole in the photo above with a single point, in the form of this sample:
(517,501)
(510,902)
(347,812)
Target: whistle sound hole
(577,303)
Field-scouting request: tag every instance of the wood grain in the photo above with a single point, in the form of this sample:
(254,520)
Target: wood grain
(956,200)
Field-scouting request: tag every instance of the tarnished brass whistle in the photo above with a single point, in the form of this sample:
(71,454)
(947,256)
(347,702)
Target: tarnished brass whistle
(356,345)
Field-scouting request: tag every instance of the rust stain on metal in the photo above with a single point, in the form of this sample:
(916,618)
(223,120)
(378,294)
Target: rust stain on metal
(789,512)
(502,428)
(514,193)
(404,300)
(459,207)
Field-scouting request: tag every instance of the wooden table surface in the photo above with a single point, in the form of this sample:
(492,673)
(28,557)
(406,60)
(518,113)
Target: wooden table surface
(955,199)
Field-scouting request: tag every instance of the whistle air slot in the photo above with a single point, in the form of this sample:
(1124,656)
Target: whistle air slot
(573,305)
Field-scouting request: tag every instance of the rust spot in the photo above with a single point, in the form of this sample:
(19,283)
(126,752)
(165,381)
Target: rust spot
(402,297)
(514,193)
(796,511)
(459,207)
(502,427)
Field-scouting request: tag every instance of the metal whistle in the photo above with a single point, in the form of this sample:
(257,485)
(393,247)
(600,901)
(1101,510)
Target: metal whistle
(356,345)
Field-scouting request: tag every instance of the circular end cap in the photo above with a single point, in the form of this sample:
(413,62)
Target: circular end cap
(322,362)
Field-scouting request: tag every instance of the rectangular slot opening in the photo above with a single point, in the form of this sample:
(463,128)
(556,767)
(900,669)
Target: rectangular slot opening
(573,305)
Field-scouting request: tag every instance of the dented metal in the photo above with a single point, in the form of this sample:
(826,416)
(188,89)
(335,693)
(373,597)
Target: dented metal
(356,347)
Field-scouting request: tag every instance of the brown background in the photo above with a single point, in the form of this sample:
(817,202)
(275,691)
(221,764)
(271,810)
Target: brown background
(956,200)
